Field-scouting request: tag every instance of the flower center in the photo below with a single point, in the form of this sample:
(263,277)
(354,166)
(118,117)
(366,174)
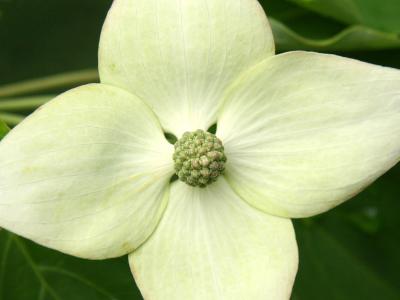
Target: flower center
(199,158)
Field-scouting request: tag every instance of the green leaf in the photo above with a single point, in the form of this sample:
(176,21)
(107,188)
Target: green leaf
(350,39)
(381,15)
(296,28)
(3,129)
(351,252)
(29,271)
(303,21)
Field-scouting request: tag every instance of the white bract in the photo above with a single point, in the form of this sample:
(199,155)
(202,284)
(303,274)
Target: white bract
(89,173)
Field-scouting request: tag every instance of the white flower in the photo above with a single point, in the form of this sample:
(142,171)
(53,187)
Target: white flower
(89,173)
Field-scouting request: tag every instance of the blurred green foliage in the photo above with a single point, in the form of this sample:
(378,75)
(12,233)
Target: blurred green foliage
(382,15)
(29,271)
(352,252)
(299,28)
(3,129)
(349,253)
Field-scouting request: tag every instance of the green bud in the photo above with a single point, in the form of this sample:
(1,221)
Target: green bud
(199,158)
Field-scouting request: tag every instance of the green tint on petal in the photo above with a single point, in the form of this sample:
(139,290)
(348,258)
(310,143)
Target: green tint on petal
(179,56)
(86,174)
(304,132)
(212,245)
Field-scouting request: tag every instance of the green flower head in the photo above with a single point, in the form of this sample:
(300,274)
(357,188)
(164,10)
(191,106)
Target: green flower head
(89,174)
(199,158)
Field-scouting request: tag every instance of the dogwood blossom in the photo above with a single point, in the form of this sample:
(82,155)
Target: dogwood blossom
(89,173)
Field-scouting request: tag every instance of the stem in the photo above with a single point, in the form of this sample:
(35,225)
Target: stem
(50,82)
(24,103)
(11,119)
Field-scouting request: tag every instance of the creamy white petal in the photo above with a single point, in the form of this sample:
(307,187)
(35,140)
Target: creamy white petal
(212,245)
(179,55)
(304,131)
(86,174)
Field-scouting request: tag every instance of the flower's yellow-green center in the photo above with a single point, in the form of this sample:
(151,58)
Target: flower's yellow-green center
(199,158)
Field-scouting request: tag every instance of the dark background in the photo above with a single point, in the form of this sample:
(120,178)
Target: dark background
(351,252)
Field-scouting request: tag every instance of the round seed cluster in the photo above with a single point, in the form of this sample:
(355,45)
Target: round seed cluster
(199,158)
